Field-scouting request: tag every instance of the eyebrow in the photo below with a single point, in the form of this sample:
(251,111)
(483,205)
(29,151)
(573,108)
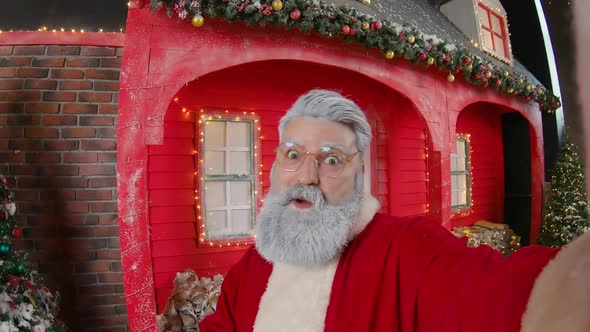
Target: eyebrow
(291,140)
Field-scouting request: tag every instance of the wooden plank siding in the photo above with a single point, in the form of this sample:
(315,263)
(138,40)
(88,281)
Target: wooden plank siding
(487,165)
(399,139)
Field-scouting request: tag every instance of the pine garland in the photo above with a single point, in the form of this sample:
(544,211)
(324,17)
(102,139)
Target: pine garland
(348,23)
(567,214)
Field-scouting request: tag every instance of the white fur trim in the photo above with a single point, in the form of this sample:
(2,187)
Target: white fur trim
(369,205)
(560,299)
(296,298)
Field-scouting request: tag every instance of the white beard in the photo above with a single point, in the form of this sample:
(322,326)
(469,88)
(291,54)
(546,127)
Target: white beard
(311,236)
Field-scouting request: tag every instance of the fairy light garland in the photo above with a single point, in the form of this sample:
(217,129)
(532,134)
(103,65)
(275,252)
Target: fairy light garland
(215,114)
(392,39)
(466,211)
(62,30)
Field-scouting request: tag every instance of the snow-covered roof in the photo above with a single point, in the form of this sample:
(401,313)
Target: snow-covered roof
(422,15)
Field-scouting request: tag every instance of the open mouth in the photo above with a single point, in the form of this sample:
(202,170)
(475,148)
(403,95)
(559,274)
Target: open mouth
(301,203)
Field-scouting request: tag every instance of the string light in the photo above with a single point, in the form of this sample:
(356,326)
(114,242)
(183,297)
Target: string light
(203,120)
(501,14)
(464,212)
(74,30)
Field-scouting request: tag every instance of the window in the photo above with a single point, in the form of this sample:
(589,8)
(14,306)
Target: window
(228,178)
(494,36)
(460,175)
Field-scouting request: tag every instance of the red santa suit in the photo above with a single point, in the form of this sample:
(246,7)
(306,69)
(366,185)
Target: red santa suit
(397,274)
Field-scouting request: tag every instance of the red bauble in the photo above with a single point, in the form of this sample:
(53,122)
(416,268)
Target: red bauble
(541,105)
(422,57)
(352,32)
(467,60)
(475,76)
(498,82)
(295,14)
(13,280)
(376,25)
(527,99)
(345,29)
(447,57)
(17,232)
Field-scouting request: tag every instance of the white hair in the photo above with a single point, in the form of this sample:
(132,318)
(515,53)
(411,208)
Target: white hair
(332,106)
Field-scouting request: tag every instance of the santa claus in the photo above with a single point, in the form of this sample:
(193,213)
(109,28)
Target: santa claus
(324,260)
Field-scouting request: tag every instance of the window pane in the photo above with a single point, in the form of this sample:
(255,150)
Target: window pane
(215,133)
(461,164)
(240,193)
(239,163)
(453,162)
(483,16)
(239,134)
(462,182)
(454,198)
(241,221)
(496,25)
(214,162)
(462,198)
(460,148)
(216,224)
(454,183)
(214,194)
(499,46)
(487,40)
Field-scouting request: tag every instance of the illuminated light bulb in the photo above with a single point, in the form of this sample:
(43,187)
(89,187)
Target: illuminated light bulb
(73,30)
(226,111)
(100,30)
(54,30)
(62,29)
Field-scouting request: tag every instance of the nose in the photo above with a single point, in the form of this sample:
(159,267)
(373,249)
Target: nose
(308,173)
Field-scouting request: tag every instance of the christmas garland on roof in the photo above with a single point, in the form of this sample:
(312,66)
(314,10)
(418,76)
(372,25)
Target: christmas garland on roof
(391,38)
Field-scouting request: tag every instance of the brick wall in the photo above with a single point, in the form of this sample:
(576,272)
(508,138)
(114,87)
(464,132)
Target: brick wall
(58,115)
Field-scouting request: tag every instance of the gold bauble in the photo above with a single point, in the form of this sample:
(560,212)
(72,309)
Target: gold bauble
(505,73)
(365,25)
(430,60)
(390,55)
(198,21)
(411,39)
(528,87)
(510,90)
(469,67)
(488,74)
(451,78)
(277,5)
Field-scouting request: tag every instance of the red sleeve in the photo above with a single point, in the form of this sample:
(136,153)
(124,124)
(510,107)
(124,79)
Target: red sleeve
(469,289)
(223,320)
(240,296)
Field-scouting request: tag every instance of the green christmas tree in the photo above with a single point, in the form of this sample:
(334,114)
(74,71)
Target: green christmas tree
(567,213)
(25,303)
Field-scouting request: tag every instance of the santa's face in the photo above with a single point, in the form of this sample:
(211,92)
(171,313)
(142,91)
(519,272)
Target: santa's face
(312,204)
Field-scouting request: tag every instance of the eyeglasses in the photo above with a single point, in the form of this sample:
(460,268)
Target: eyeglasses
(329,161)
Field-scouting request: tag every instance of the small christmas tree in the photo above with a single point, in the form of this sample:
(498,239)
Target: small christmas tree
(567,213)
(25,303)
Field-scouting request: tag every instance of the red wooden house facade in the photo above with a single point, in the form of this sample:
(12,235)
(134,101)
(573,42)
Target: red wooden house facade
(439,147)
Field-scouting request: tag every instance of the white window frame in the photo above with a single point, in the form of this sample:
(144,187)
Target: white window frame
(485,26)
(228,179)
(465,172)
